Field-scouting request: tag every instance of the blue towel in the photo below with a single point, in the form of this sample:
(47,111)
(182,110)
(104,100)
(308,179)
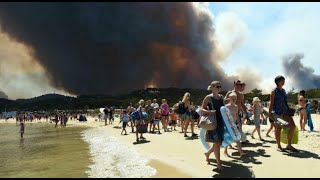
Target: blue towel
(310,124)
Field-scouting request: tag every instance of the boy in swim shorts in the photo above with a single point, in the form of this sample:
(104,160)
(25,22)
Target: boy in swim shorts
(234,112)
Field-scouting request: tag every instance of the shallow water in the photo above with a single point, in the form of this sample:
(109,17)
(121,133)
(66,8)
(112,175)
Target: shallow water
(43,152)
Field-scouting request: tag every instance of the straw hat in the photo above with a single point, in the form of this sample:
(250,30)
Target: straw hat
(255,99)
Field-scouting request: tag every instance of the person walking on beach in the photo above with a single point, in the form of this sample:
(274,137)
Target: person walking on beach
(139,121)
(308,114)
(272,124)
(240,104)
(130,109)
(22,126)
(157,119)
(164,114)
(150,112)
(234,109)
(56,120)
(173,119)
(106,112)
(279,108)
(187,117)
(111,118)
(154,104)
(257,110)
(303,113)
(124,119)
(214,100)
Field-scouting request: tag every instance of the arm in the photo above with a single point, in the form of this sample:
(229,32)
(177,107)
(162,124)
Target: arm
(226,99)
(272,96)
(205,102)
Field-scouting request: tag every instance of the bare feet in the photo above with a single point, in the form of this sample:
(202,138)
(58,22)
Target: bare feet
(219,167)
(207,157)
(268,135)
(242,154)
(252,137)
(226,154)
(280,149)
(290,148)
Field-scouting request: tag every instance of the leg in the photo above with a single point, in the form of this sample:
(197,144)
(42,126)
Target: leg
(226,152)
(259,133)
(252,135)
(291,131)
(240,149)
(277,134)
(186,124)
(301,118)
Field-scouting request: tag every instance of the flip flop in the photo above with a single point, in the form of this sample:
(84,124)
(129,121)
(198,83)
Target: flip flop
(292,149)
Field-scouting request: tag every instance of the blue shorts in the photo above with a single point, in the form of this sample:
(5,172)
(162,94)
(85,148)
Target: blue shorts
(124,125)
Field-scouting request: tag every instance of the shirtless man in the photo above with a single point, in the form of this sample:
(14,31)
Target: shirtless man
(240,101)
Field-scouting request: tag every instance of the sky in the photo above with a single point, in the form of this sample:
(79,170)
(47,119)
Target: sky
(273,30)
(254,36)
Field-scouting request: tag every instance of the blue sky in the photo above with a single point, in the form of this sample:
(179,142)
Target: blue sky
(273,29)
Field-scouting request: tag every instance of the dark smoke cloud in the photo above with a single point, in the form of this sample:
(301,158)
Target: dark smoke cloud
(3,95)
(302,77)
(107,48)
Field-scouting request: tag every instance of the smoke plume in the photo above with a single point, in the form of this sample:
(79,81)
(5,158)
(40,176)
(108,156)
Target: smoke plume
(107,48)
(303,77)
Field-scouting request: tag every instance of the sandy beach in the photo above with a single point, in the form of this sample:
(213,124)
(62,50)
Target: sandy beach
(172,155)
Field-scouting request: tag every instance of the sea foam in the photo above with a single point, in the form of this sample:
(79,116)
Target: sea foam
(114,159)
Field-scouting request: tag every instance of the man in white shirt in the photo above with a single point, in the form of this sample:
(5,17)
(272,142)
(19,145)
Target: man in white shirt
(154,104)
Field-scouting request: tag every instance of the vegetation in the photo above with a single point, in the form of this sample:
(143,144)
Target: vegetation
(50,102)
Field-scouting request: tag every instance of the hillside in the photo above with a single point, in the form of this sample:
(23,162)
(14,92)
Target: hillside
(173,95)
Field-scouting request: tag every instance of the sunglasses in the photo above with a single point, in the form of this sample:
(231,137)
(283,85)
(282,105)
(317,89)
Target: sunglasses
(218,86)
(300,100)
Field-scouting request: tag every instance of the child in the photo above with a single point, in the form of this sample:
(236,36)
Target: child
(257,109)
(124,119)
(173,119)
(234,112)
(22,125)
(157,119)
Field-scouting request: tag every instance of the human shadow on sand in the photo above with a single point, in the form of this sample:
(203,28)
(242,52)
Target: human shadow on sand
(250,156)
(301,154)
(192,138)
(231,170)
(141,142)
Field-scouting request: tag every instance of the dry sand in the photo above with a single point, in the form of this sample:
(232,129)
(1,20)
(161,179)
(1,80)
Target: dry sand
(175,156)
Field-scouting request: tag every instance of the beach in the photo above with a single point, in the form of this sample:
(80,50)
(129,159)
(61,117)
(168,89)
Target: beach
(171,155)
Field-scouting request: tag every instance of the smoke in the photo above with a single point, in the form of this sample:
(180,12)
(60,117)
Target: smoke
(302,77)
(107,48)
(3,95)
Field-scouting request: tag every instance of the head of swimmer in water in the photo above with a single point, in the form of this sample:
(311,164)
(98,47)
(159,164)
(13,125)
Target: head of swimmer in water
(215,87)
(232,98)
(280,81)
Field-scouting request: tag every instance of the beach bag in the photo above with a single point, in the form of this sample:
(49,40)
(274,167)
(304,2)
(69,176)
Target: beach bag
(142,128)
(290,111)
(284,136)
(208,122)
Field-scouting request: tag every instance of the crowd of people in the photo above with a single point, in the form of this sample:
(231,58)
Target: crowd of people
(184,113)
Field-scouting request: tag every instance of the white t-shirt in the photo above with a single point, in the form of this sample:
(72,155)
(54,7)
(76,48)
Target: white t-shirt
(248,105)
(155,105)
(125,118)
